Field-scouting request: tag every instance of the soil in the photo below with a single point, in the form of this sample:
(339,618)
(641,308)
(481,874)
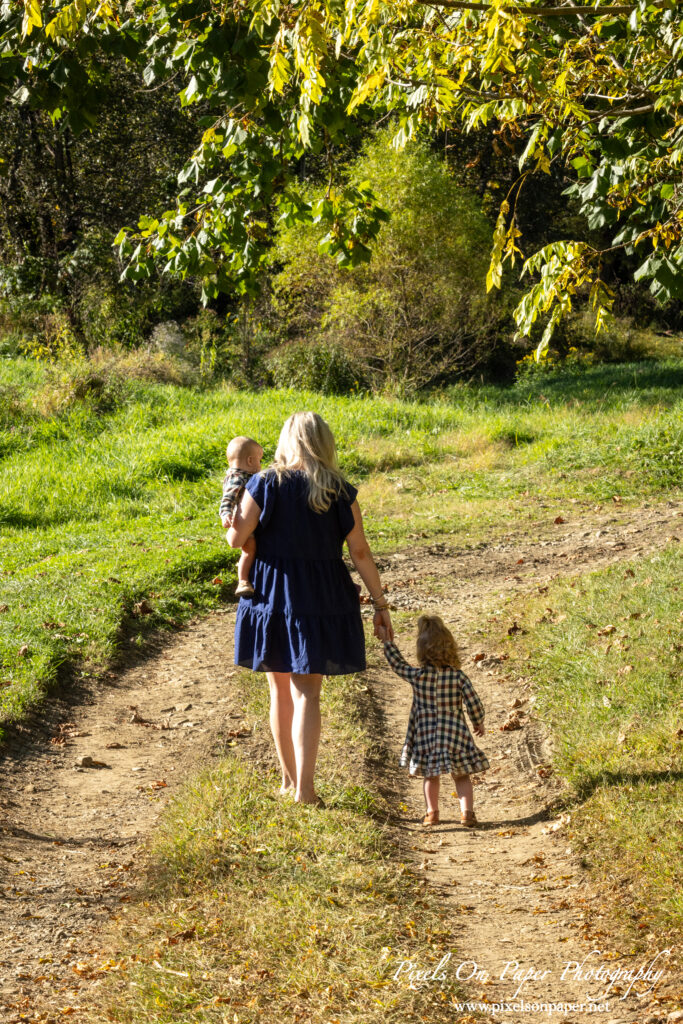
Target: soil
(81,789)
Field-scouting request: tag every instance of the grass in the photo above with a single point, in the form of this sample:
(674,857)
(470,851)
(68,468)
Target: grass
(266,910)
(605,656)
(109,486)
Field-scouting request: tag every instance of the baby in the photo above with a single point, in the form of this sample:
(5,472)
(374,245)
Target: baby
(244,459)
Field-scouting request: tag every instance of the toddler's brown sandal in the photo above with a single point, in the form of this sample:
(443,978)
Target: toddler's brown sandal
(244,589)
(469,819)
(431,818)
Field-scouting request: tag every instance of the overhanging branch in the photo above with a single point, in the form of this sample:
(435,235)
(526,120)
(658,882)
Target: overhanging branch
(568,10)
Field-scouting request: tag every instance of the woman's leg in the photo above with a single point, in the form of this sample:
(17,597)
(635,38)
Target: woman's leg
(305,691)
(431,786)
(281,714)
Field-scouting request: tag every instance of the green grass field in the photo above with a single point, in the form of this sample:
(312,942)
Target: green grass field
(105,503)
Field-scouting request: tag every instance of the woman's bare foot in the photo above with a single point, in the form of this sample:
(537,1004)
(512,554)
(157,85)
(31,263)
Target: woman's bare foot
(287,789)
(313,799)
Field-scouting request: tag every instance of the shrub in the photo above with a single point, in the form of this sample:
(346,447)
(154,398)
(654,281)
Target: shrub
(416,314)
(326,368)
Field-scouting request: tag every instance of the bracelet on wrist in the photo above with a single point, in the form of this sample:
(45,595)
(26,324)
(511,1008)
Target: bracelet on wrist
(378,600)
(381,607)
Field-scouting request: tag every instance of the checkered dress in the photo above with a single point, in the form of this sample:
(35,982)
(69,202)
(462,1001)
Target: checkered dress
(438,740)
(234,482)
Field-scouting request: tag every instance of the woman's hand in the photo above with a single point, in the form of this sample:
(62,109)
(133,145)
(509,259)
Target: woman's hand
(479,730)
(382,625)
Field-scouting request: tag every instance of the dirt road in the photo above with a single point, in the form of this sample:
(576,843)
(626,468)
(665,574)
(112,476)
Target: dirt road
(81,788)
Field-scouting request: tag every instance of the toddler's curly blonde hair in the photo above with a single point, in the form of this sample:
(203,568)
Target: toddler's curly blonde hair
(435,643)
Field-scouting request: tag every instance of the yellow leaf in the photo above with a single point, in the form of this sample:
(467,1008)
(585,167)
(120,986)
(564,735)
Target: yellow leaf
(32,17)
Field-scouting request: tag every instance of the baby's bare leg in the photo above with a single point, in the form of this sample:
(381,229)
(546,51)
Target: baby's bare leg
(246,559)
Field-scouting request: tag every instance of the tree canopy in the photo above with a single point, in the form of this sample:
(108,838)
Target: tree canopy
(595,86)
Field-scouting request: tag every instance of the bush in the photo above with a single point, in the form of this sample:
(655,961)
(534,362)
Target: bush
(418,313)
(104,379)
(328,369)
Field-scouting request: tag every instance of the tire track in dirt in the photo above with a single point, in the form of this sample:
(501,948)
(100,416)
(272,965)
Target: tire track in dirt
(72,835)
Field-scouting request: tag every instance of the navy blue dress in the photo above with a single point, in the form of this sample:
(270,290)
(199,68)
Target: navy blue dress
(304,616)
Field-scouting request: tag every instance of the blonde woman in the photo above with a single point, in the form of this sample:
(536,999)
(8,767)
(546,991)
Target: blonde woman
(303,621)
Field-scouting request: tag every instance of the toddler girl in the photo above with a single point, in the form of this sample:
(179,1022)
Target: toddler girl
(438,740)
(244,459)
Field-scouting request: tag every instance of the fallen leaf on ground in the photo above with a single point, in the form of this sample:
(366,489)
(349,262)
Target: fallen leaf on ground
(607,630)
(142,608)
(513,722)
(89,762)
(479,657)
(559,520)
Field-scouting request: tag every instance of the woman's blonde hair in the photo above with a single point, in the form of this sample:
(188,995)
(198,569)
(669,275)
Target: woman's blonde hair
(435,643)
(306,443)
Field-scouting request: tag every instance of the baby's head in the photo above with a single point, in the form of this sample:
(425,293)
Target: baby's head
(244,453)
(435,643)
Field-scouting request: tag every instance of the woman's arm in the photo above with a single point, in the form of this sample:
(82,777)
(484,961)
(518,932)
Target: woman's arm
(361,556)
(245,522)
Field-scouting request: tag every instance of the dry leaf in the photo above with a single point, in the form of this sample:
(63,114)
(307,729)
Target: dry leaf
(513,722)
(479,657)
(4,608)
(23,651)
(142,608)
(607,630)
(559,520)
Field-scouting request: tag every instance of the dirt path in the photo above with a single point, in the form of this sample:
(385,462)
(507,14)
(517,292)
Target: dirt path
(71,832)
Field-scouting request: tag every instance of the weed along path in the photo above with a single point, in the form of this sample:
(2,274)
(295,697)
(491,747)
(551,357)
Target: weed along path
(81,788)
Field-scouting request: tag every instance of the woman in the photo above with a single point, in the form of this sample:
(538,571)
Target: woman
(303,621)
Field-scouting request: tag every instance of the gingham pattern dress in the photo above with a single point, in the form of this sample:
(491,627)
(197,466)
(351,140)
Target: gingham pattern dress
(438,740)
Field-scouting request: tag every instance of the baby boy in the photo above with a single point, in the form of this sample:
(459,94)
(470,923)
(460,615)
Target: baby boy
(244,459)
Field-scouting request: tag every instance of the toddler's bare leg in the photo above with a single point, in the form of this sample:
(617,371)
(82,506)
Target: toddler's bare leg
(463,787)
(431,786)
(246,560)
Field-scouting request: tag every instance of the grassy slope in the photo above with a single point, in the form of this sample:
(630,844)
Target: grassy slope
(604,653)
(99,510)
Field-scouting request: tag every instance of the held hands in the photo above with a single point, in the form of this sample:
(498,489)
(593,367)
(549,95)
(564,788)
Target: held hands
(382,625)
(479,730)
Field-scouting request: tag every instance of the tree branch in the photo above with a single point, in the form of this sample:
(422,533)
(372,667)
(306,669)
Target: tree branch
(571,10)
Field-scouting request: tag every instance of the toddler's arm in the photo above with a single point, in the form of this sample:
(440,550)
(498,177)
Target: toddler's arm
(399,664)
(475,708)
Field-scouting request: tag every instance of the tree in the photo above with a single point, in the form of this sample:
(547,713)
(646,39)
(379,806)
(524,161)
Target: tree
(417,312)
(596,86)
